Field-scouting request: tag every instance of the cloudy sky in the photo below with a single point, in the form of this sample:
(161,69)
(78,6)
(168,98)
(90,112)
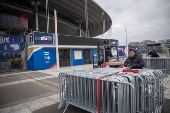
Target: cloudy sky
(144,19)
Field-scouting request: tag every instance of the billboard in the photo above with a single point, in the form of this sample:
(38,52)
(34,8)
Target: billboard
(2,47)
(14,46)
(43,38)
(11,46)
(6,38)
(13,20)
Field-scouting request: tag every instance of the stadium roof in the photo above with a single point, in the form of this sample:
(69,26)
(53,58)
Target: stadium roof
(71,11)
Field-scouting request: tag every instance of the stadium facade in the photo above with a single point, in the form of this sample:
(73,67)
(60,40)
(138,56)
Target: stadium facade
(23,23)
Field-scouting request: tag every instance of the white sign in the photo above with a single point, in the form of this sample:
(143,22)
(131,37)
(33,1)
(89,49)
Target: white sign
(77,54)
(48,57)
(46,53)
(4,39)
(14,46)
(46,38)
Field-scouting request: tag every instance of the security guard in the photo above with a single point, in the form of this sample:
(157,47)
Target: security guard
(134,61)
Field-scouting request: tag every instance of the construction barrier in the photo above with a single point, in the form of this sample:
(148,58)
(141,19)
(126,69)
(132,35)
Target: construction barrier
(161,63)
(5,66)
(110,90)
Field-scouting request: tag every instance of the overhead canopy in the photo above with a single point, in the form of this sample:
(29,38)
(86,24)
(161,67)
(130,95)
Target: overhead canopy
(70,11)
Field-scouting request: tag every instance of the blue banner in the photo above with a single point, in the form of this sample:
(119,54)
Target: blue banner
(43,38)
(2,47)
(121,50)
(6,38)
(114,42)
(14,46)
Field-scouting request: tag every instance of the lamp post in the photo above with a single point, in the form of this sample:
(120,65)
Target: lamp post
(36,3)
(56,34)
(126,42)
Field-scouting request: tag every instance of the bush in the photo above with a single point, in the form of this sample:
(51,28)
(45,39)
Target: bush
(12,61)
(16,62)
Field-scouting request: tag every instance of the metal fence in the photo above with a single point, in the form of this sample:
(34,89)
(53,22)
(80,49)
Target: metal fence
(161,63)
(117,93)
(141,49)
(5,66)
(164,55)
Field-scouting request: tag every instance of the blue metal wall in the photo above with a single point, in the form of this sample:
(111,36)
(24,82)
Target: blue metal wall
(38,59)
(77,61)
(43,58)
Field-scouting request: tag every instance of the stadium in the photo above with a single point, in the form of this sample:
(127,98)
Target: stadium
(78,21)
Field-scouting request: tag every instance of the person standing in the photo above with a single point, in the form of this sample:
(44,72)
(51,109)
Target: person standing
(134,61)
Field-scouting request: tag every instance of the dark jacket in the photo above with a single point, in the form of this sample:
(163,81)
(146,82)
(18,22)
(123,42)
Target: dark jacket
(153,54)
(136,62)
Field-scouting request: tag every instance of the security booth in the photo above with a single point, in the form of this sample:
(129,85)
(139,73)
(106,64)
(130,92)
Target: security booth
(41,51)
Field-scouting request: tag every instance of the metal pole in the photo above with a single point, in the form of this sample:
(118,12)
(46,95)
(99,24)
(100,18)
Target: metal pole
(5,58)
(47,15)
(36,15)
(80,27)
(25,66)
(56,34)
(87,25)
(126,42)
(86,18)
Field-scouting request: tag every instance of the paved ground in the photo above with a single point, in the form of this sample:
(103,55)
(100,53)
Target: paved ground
(37,92)
(33,92)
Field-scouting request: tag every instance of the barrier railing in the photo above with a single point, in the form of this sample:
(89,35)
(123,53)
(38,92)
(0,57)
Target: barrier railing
(117,91)
(5,66)
(161,63)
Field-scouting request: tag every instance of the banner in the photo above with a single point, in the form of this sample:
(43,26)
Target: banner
(2,47)
(114,42)
(14,46)
(6,38)
(121,50)
(42,38)
(14,20)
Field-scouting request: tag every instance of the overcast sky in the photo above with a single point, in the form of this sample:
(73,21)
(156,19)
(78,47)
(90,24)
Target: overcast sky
(144,19)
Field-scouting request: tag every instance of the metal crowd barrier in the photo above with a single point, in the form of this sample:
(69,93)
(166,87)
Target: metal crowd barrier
(161,63)
(122,92)
(5,66)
